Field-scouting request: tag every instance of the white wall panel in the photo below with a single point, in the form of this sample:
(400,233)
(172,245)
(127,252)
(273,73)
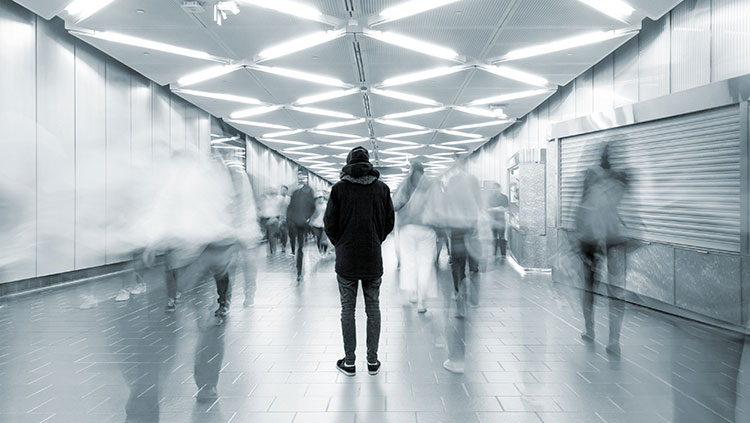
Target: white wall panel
(543,130)
(160,129)
(604,84)
(193,127)
(585,93)
(55,149)
(626,73)
(17,143)
(204,133)
(90,155)
(567,102)
(690,53)
(653,63)
(177,124)
(118,154)
(141,124)
(730,37)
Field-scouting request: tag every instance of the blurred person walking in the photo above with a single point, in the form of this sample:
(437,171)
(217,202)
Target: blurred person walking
(283,205)
(316,222)
(358,219)
(417,240)
(598,229)
(301,208)
(269,219)
(497,207)
(248,232)
(463,203)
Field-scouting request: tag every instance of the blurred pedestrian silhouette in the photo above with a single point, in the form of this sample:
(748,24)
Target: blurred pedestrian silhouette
(462,207)
(301,209)
(598,228)
(417,239)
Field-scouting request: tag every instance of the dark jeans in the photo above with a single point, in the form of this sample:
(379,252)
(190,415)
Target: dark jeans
(214,260)
(297,237)
(498,235)
(348,292)
(591,255)
(463,245)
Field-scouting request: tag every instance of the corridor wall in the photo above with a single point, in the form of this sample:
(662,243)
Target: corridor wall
(73,124)
(698,43)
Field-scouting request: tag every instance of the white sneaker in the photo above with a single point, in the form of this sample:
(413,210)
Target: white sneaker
(139,288)
(454,367)
(123,295)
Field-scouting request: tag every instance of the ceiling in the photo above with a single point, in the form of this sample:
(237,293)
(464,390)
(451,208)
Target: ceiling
(479,32)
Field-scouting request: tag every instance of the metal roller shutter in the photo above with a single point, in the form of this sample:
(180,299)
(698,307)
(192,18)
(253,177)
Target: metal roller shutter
(685,174)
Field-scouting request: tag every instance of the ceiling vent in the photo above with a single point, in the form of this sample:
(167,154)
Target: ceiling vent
(193,6)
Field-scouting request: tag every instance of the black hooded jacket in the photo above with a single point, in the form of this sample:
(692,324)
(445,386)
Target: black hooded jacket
(358,218)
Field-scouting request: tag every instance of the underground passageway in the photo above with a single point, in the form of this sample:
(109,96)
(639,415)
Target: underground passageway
(274,361)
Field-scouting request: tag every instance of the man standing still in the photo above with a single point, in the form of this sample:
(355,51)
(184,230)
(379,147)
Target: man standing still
(358,218)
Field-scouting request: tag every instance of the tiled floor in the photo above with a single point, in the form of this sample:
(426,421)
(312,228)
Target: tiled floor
(274,362)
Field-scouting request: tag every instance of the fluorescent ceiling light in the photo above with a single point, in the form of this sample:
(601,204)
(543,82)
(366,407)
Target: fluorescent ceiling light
(283,133)
(482,125)
(400,142)
(459,133)
(508,97)
(421,76)
(295,74)
(304,147)
(327,96)
(219,96)
(224,139)
(116,37)
(258,124)
(83,9)
(417,112)
(206,74)
(516,75)
(446,147)
(254,111)
(406,97)
(616,9)
(331,125)
(299,44)
(334,134)
(412,7)
(464,141)
(351,141)
(398,123)
(288,7)
(397,153)
(337,147)
(409,134)
(288,142)
(564,44)
(322,112)
(408,147)
(301,153)
(314,158)
(413,44)
(497,113)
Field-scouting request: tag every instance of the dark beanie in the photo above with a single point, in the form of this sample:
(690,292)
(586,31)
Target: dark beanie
(358,155)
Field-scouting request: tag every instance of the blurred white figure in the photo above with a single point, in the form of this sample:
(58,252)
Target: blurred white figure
(192,219)
(249,236)
(417,240)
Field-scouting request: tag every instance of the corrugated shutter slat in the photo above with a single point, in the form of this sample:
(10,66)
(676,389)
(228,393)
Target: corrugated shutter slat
(685,177)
